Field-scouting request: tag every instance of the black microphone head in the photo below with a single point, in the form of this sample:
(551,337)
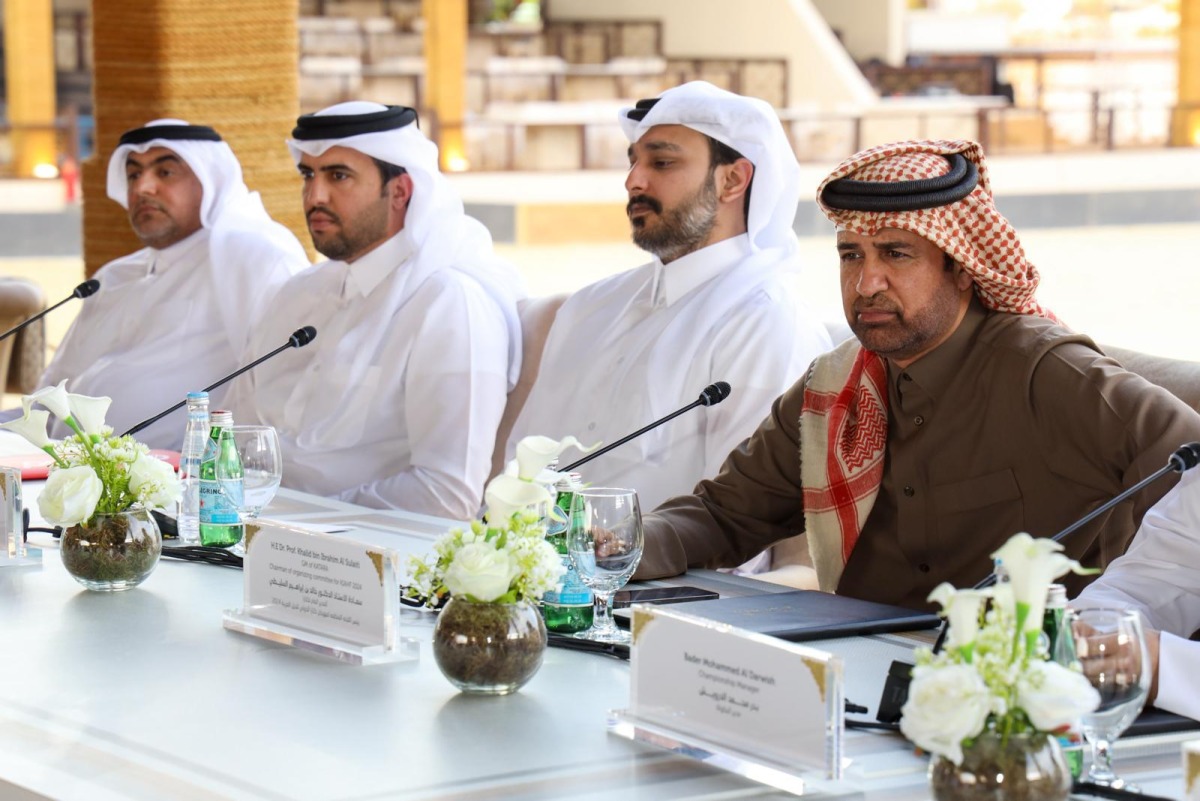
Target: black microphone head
(87,288)
(715,393)
(302,336)
(1185,458)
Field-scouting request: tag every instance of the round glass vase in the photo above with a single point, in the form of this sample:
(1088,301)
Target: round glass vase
(489,648)
(1022,767)
(112,552)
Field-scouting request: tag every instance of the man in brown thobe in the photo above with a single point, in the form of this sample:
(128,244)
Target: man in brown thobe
(961,414)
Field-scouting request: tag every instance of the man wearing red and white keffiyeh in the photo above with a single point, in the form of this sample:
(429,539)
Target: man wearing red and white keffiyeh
(961,412)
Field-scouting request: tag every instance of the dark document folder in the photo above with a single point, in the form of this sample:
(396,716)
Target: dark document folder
(809,615)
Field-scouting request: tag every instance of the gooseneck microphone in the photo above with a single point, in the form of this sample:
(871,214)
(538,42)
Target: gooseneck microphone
(895,691)
(84,290)
(1184,458)
(299,338)
(711,396)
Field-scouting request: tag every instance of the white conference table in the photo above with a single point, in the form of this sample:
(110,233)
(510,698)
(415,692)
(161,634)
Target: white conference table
(144,695)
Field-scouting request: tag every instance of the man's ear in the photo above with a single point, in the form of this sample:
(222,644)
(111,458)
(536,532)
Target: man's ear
(736,181)
(400,191)
(962,278)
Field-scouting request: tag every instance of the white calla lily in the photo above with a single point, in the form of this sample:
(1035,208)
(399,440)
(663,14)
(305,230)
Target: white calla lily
(961,608)
(534,453)
(32,426)
(1032,564)
(53,398)
(89,412)
(506,495)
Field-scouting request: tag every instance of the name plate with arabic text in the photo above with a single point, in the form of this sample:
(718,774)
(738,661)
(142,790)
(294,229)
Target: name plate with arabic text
(762,707)
(326,593)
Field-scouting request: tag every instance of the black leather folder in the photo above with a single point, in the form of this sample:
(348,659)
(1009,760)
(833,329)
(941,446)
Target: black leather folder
(802,615)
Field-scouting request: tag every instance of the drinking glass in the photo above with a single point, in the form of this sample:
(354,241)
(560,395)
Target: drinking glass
(261,469)
(605,544)
(1108,646)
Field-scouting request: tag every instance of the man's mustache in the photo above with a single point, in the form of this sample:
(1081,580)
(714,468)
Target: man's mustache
(322,210)
(142,205)
(644,200)
(876,305)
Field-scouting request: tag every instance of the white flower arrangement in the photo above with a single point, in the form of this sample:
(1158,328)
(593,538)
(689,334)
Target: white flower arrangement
(505,557)
(993,676)
(94,472)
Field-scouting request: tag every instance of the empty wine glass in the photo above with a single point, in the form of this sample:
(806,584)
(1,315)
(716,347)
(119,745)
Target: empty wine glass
(605,544)
(251,483)
(1108,646)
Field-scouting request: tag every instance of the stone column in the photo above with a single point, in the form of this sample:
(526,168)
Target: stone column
(29,67)
(1185,118)
(231,64)
(445,43)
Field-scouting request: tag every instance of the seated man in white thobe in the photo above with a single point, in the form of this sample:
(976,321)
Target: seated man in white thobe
(713,186)
(397,401)
(1160,577)
(176,315)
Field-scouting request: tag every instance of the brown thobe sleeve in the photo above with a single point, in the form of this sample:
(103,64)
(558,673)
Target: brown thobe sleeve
(754,501)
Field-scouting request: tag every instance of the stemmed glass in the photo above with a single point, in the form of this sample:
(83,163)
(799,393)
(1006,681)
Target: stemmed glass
(250,484)
(605,544)
(1109,647)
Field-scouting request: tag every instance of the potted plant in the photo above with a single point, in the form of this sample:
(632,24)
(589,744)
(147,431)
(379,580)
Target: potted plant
(487,579)
(100,490)
(989,705)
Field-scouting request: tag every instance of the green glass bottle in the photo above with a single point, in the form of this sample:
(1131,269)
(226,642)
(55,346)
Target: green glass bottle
(569,609)
(220,524)
(1053,620)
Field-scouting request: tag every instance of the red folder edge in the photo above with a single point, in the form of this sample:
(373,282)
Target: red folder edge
(36,466)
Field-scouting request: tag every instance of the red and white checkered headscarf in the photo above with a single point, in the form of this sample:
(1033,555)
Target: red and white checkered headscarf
(844,417)
(972,230)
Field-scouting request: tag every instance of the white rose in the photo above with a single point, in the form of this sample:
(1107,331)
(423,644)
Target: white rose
(153,482)
(70,496)
(1054,696)
(945,705)
(479,572)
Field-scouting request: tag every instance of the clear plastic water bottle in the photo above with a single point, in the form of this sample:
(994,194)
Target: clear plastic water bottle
(195,438)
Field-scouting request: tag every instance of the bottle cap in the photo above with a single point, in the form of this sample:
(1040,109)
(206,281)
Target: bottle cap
(197,395)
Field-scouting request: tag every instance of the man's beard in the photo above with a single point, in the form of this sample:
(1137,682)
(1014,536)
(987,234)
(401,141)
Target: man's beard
(912,333)
(346,243)
(680,230)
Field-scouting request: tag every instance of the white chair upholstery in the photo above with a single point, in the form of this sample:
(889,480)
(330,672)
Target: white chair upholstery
(537,315)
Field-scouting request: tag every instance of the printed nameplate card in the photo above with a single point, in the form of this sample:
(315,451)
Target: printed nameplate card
(758,706)
(321,592)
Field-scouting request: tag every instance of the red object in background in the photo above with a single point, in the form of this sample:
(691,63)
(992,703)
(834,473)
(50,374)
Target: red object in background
(69,172)
(36,466)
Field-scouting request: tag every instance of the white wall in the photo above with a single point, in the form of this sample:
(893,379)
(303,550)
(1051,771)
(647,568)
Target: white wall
(820,73)
(868,28)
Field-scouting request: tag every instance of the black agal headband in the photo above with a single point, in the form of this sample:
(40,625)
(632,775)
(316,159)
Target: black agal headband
(925,193)
(190,133)
(311,127)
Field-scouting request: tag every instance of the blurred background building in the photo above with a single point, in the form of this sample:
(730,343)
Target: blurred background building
(542,80)
(1089,110)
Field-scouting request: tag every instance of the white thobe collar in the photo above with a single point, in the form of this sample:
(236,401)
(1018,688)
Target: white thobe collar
(361,277)
(675,280)
(163,261)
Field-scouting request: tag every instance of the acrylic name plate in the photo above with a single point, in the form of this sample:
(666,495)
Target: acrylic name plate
(1191,770)
(14,552)
(761,707)
(324,593)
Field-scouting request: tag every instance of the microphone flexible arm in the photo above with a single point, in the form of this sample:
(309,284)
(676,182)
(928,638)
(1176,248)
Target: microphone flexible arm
(712,395)
(84,290)
(297,340)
